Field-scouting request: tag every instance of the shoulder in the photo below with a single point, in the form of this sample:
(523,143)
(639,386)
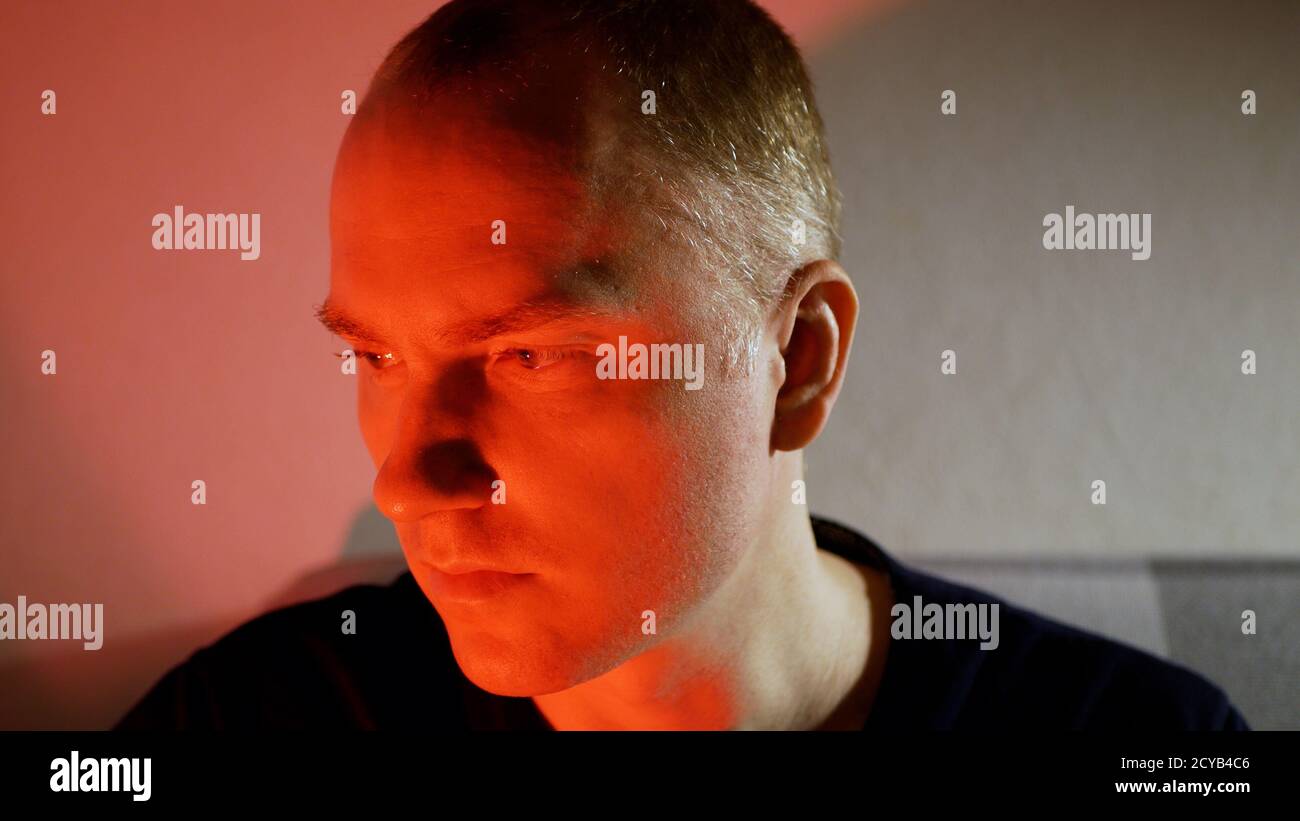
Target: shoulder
(1045,674)
(333,661)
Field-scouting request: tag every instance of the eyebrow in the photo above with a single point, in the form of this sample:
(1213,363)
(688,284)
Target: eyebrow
(339,322)
(523,317)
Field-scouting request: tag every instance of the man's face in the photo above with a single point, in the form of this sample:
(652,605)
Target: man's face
(497,445)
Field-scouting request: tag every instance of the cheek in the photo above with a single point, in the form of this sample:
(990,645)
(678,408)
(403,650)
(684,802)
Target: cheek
(648,496)
(721,479)
(591,458)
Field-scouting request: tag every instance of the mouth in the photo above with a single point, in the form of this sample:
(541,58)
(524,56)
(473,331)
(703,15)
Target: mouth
(473,584)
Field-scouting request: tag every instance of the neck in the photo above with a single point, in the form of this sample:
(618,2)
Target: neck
(785,643)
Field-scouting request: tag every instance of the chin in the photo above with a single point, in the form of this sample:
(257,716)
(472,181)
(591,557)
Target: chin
(510,672)
(531,665)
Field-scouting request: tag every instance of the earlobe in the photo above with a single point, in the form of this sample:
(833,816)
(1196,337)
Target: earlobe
(815,336)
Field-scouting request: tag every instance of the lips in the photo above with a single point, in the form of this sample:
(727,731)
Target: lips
(461,569)
(469,584)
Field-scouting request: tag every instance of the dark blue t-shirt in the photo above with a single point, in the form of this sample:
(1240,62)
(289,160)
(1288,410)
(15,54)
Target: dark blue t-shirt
(294,669)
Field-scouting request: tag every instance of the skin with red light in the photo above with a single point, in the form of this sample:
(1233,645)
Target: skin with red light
(620,496)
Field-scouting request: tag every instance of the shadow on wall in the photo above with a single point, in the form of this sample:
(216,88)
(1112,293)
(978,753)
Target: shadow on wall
(42,689)
(371,554)
(76,689)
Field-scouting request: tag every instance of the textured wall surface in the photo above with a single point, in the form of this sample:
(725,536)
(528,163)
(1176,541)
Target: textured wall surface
(1072,366)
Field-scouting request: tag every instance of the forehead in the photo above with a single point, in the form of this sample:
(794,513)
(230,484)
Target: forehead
(410,161)
(419,198)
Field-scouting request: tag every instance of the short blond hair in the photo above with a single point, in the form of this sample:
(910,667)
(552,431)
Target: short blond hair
(736,146)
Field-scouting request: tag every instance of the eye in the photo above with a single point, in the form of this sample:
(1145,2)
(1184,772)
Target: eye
(378,361)
(534,359)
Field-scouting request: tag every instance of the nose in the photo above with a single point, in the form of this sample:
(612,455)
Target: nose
(433,465)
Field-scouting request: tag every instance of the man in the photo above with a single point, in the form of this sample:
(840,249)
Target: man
(586,252)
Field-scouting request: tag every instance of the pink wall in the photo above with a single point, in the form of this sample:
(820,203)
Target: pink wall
(176,366)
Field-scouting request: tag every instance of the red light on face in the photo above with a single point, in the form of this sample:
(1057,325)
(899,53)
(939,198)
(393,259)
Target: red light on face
(475,586)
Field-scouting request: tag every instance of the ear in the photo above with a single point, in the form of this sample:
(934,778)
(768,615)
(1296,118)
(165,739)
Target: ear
(814,326)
